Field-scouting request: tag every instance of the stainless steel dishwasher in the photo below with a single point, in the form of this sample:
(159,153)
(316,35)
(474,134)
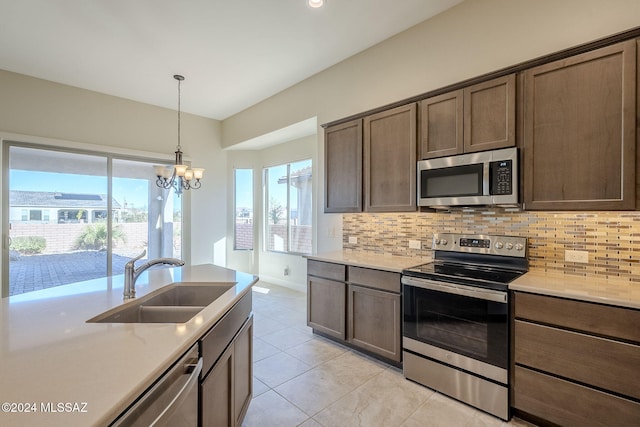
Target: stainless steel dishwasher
(172,401)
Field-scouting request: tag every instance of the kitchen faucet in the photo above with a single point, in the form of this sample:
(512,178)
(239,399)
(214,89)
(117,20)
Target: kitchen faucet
(131,273)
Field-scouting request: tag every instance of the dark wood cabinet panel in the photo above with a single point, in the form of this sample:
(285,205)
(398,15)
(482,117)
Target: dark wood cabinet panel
(476,118)
(569,404)
(356,305)
(243,371)
(603,363)
(441,125)
(326,306)
(217,393)
(390,160)
(343,167)
(227,388)
(490,115)
(327,270)
(383,280)
(374,321)
(616,322)
(575,362)
(579,131)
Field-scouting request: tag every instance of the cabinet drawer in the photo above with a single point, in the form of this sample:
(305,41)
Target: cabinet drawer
(616,322)
(328,270)
(385,280)
(568,404)
(603,363)
(216,340)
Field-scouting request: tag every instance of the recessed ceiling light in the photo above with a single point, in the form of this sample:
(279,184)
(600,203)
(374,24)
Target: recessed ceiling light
(316,3)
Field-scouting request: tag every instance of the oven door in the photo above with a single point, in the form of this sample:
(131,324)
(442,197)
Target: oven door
(445,320)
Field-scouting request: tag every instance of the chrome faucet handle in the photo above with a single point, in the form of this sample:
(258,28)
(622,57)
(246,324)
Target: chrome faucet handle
(133,260)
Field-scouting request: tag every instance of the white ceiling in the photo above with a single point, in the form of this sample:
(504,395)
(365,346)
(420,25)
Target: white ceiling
(233,53)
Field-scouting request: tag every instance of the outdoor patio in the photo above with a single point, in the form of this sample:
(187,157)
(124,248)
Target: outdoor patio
(34,272)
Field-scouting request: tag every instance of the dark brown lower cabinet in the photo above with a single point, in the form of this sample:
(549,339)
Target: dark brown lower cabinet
(326,305)
(374,321)
(572,366)
(356,305)
(227,389)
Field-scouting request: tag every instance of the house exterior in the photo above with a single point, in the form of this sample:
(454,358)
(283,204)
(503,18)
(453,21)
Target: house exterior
(43,207)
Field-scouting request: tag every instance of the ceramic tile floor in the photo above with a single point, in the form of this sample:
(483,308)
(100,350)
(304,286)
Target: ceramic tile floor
(301,379)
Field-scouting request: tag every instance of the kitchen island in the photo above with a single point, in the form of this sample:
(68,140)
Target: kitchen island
(50,355)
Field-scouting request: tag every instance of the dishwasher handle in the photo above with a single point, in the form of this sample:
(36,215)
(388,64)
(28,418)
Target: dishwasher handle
(181,396)
(174,392)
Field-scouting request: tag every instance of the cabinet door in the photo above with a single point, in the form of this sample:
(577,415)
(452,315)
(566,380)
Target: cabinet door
(441,126)
(243,371)
(390,160)
(374,321)
(217,393)
(343,167)
(490,114)
(326,306)
(579,131)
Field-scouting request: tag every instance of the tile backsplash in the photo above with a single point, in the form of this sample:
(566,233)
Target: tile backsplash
(612,239)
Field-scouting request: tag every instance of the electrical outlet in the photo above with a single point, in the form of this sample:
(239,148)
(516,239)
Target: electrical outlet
(353,240)
(287,271)
(415,244)
(576,256)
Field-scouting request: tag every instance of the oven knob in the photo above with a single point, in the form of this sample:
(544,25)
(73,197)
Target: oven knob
(444,242)
(519,246)
(498,245)
(436,241)
(509,246)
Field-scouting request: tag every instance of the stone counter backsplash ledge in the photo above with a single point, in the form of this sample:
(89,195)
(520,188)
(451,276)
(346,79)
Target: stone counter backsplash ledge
(611,238)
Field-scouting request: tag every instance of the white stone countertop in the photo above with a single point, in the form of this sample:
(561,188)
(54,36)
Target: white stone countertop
(370,260)
(49,354)
(622,293)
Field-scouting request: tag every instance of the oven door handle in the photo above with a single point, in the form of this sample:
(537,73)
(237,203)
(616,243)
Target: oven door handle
(452,288)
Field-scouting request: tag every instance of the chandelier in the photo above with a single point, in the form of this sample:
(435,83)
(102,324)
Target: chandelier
(179,176)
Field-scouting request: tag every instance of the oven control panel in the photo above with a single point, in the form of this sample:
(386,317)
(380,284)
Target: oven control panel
(481,244)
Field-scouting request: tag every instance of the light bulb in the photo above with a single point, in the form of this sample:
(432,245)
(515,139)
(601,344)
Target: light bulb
(316,3)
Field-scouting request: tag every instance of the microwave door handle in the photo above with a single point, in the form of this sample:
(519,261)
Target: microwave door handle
(485,178)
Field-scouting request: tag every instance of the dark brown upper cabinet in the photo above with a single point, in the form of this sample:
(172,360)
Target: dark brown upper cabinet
(579,131)
(343,167)
(390,160)
(476,118)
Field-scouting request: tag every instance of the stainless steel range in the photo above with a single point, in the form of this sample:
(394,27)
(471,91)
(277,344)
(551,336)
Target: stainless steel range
(456,318)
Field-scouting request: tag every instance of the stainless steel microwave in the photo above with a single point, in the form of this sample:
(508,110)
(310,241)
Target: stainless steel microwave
(484,178)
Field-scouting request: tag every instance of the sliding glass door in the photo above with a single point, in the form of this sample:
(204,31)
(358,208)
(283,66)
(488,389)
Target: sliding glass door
(74,216)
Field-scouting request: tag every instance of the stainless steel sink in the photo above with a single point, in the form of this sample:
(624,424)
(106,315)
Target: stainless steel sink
(188,294)
(149,314)
(175,303)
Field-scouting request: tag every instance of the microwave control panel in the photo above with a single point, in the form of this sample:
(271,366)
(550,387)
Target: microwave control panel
(501,175)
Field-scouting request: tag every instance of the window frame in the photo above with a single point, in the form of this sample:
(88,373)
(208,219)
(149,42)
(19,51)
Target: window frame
(235,208)
(265,177)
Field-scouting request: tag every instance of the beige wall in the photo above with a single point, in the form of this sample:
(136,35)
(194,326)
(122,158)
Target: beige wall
(34,110)
(471,39)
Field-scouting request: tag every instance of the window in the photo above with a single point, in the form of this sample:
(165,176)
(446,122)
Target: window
(288,207)
(243,205)
(35,215)
(75,216)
